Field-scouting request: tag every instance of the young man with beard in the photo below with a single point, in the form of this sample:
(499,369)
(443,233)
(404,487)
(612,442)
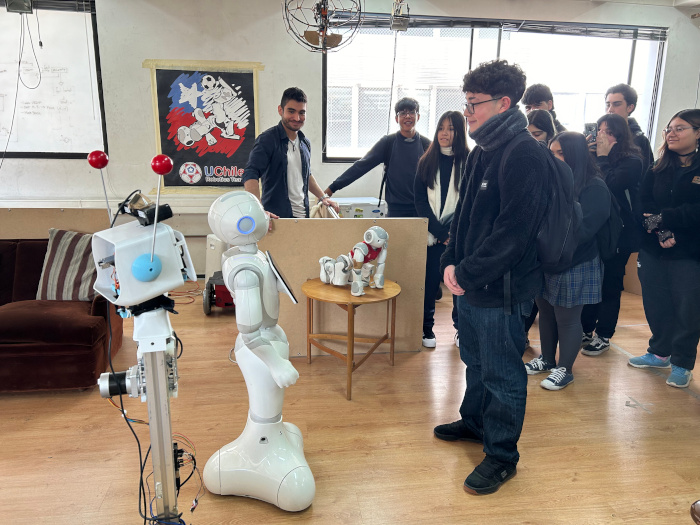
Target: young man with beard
(491,244)
(281,158)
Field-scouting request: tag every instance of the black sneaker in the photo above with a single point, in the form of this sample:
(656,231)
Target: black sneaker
(488,476)
(457,431)
(597,346)
(586,338)
(438,295)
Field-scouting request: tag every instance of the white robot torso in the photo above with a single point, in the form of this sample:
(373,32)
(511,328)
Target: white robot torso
(253,285)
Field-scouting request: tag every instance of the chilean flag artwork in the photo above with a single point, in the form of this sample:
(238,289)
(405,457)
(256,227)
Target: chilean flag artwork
(207,125)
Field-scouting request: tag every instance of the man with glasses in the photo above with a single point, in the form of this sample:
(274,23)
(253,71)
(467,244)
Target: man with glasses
(622,100)
(491,264)
(399,152)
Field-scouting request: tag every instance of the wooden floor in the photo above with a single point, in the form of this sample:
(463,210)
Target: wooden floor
(617,446)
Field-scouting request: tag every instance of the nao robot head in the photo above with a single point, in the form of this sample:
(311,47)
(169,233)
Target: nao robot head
(376,237)
(238,218)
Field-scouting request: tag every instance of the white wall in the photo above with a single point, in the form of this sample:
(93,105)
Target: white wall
(131,31)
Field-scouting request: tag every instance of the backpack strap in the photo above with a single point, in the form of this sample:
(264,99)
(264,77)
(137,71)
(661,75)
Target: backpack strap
(388,146)
(520,137)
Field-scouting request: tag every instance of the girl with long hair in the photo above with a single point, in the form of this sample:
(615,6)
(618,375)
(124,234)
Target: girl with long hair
(436,190)
(565,293)
(669,257)
(620,163)
(541,125)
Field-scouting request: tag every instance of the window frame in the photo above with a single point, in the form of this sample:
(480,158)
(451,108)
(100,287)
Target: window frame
(634,33)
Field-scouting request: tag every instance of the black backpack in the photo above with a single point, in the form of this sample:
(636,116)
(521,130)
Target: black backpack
(388,146)
(608,236)
(557,234)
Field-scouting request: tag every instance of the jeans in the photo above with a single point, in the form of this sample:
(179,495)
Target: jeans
(432,284)
(602,317)
(491,344)
(671,298)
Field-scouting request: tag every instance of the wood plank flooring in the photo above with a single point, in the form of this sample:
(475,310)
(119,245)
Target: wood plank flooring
(617,446)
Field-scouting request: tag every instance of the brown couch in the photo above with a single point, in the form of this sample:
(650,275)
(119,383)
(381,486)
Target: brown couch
(48,345)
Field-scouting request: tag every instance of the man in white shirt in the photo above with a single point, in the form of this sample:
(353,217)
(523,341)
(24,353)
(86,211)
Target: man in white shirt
(281,158)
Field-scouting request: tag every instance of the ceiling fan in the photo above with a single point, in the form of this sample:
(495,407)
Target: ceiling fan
(322,25)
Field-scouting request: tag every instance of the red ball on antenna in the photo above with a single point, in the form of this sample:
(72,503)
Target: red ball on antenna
(162,164)
(98,159)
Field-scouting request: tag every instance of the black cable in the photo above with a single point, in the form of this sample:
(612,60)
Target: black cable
(25,21)
(14,110)
(38,29)
(182,346)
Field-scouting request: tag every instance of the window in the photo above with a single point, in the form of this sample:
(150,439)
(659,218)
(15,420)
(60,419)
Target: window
(434,54)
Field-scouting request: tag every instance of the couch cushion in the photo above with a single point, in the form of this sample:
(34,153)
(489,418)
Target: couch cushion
(8,250)
(69,271)
(49,322)
(30,260)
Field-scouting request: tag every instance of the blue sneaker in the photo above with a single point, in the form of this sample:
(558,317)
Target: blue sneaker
(538,365)
(558,379)
(680,377)
(650,360)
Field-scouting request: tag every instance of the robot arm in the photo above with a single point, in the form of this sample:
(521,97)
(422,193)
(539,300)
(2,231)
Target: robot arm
(249,316)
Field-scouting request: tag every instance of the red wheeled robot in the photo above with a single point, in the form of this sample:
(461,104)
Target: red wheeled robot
(216,294)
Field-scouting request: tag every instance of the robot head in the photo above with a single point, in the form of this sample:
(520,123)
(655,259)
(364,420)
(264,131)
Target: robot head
(209,82)
(376,237)
(238,218)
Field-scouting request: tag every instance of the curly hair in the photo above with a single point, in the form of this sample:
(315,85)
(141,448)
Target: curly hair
(496,78)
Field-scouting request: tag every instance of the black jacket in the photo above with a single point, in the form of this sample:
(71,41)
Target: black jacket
(642,143)
(268,161)
(496,223)
(623,176)
(677,197)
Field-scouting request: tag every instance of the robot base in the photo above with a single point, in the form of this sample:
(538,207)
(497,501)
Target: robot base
(266,462)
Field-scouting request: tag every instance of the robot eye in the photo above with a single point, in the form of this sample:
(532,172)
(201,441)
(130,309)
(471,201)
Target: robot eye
(246,225)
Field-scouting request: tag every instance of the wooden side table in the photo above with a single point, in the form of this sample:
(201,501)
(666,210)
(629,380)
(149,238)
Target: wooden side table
(315,290)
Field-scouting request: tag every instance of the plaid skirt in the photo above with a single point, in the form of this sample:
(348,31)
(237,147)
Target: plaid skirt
(581,284)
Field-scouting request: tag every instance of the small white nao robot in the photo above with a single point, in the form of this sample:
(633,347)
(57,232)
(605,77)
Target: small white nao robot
(267,460)
(357,266)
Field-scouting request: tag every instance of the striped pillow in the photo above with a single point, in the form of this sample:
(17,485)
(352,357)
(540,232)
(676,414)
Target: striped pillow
(69,271)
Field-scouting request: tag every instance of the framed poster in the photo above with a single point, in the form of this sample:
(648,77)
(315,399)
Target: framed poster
(206,120)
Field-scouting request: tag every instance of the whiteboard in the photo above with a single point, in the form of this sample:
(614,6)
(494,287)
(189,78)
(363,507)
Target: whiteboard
(63,114)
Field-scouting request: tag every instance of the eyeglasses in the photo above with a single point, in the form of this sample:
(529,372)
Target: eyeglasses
(469,106)
(407,113)
(678,129)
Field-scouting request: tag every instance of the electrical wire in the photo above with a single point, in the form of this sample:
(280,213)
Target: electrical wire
(14,109)
(25,21)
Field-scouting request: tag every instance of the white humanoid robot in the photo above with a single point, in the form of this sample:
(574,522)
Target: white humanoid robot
(357,266)
(138,263)
(266,461)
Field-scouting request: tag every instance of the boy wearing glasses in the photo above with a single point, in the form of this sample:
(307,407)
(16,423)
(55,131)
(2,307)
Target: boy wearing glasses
(491,244)
(621,99)
(399,152)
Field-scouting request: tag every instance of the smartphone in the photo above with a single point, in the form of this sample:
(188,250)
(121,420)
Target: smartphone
(590,128)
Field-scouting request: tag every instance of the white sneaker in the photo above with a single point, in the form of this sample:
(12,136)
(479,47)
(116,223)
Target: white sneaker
(457,339)
(429,339)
